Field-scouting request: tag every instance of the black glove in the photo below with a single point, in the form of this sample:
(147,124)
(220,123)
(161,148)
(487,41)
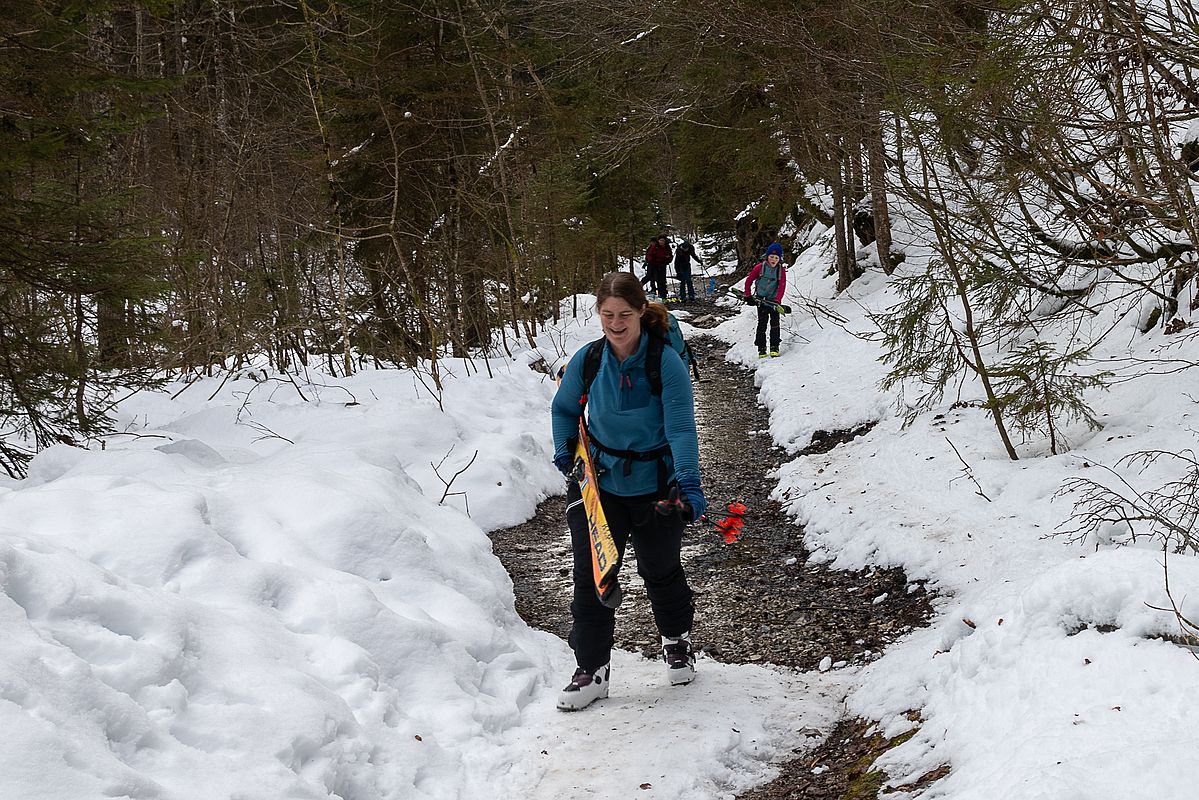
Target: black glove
(748,300)
(689,503)
(693,498)
(565,464)
(673,504)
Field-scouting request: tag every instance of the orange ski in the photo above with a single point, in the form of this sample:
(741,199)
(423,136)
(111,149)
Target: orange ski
(604,557)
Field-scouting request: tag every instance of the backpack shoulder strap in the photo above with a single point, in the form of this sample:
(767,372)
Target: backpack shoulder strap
(591,365)
(653,362)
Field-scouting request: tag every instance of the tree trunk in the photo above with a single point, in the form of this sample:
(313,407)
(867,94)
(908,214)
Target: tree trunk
(843,230)
(877,159)
(1115,88)
(977,363)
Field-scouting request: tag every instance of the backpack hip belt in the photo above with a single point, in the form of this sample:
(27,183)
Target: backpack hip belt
(629,456)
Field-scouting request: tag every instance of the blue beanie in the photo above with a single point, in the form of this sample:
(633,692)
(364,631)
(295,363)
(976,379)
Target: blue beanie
(775,248)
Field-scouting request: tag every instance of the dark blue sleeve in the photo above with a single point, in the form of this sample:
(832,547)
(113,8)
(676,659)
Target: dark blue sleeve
(678,413)
(565,411)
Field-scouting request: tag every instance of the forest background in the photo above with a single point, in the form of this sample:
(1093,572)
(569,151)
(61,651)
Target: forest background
(186,186)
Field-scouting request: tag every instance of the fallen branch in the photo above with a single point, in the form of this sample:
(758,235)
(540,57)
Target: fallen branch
(450,482)
(969,473)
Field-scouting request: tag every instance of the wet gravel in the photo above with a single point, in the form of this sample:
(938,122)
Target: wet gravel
(757,600)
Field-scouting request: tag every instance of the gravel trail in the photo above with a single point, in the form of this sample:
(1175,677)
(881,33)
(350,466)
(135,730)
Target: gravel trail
(757,600)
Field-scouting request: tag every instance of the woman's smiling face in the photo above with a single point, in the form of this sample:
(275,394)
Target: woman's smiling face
(622,325)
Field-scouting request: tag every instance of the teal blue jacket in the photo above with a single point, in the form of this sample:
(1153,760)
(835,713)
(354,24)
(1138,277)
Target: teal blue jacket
(623,414)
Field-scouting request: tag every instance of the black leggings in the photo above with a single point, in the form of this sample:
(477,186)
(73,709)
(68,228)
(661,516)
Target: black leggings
(765,313)
(656,276)
(657,540)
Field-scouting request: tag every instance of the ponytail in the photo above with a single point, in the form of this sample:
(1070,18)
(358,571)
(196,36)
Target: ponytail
(655,318)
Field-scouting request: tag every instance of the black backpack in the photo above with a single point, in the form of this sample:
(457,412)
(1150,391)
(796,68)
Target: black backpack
(653,371)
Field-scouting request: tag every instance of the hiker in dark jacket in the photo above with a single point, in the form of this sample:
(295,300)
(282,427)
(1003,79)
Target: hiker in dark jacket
(657,257)
(768,279)
(627,424)
(682,269)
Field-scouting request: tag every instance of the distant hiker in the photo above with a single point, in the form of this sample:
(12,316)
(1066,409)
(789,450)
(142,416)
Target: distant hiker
(764,286)
(642,431)
(682,269)
(657,257)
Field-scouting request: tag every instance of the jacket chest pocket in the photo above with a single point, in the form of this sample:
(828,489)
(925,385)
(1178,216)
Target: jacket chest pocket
(634,393)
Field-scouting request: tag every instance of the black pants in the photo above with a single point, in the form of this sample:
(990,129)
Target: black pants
(767,312)
(656,273)
(686,288)
(657,540)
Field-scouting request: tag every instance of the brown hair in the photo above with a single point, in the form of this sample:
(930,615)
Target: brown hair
(625,286)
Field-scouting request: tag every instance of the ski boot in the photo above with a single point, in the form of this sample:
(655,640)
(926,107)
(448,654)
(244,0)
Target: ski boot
(584,689)
(679,658)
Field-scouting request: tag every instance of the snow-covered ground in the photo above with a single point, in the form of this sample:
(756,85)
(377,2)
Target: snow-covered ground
(1044,674)
(255,594)
(262,590)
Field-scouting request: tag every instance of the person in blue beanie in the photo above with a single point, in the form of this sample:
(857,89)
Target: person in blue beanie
(764,286)
(646,450)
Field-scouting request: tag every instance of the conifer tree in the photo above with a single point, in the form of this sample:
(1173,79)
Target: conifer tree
(69,241)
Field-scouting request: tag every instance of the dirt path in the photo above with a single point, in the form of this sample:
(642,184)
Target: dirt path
(756,600)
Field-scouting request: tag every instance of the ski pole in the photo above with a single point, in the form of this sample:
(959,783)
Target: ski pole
(732,524)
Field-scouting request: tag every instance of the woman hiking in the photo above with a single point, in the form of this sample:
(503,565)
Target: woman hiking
(657,258)
(645,450)
(768,280)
